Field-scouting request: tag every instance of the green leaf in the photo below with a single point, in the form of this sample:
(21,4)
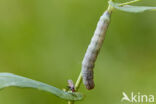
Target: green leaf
(8,79)
(129,8)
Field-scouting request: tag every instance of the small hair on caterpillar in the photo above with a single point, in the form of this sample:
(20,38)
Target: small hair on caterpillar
(93,50)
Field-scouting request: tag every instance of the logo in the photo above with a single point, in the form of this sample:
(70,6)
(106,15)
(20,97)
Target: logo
(137,98)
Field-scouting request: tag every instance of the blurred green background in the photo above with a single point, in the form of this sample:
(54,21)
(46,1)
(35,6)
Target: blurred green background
(46,40)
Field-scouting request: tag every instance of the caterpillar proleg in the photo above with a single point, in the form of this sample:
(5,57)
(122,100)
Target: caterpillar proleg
(93,50)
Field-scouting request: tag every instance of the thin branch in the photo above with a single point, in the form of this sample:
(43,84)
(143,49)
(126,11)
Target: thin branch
(130,2)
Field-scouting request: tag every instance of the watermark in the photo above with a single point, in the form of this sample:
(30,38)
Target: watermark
(137,97)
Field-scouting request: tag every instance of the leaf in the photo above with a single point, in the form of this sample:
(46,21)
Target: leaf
(8,79)
(129,8)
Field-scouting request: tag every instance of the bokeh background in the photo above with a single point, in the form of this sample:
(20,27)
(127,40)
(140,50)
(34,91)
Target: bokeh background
(46,40)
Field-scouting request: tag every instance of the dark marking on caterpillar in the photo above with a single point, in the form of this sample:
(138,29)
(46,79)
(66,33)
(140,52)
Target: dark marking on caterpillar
(93,50)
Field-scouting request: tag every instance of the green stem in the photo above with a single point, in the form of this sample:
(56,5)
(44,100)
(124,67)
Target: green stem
(70,102)
(77,85)
(130,2)
(78,82)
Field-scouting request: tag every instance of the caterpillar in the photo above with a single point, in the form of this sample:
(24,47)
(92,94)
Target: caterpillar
(93,50)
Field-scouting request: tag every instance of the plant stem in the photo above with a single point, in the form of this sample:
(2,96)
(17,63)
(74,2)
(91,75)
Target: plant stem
(78,82)
(77,85)
(70,102)
(130,2)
